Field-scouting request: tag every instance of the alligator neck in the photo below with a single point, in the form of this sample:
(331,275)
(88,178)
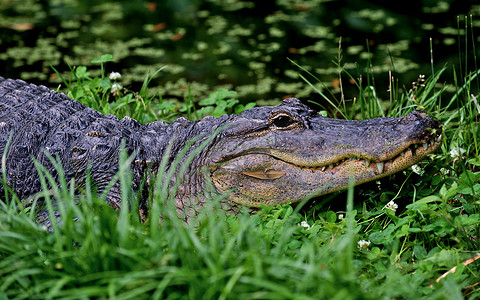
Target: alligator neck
(176,157)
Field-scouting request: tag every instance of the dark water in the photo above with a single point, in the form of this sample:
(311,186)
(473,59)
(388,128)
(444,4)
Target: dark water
(240,45)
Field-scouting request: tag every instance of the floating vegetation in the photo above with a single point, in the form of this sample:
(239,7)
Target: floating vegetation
(240,44)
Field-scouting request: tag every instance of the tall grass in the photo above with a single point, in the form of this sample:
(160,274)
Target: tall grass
(266,256)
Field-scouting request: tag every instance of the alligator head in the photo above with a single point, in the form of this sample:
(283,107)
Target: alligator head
(274,155)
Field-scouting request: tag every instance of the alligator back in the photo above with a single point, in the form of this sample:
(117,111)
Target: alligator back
(37,119)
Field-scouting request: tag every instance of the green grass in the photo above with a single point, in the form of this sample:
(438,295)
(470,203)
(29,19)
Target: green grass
(282,252)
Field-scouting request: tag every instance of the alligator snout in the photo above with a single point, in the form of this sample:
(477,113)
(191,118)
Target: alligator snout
(426,126)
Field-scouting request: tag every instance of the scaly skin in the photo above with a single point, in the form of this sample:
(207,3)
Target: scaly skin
(263,156)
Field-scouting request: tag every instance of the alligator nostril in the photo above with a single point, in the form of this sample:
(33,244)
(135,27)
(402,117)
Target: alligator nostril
(415,115)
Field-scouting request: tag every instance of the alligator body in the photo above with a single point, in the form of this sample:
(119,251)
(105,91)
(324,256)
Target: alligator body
(263,156)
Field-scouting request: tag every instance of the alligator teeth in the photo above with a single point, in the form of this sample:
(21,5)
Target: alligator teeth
(380,166)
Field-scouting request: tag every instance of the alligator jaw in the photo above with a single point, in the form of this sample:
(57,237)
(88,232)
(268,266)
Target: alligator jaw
(397,162)
(377,169)
(262,179)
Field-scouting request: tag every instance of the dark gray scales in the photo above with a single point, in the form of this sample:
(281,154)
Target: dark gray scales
(40,119)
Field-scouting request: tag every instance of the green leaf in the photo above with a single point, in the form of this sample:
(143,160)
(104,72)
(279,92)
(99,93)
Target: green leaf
(445,257)
(105,83)
(468,178)
(374,253)
(467,190)
(377,238)
(294,244)
(166,106)
(452,191)
(216,96)
(218,111)
(81,72)
(419,252)
(429,227)
(240,107)
(474,161)
(403,231)
(231,102)
(467,220)
(250,105)
(443,191)
(102,59)
(436,179)
(425,200)
(330,216)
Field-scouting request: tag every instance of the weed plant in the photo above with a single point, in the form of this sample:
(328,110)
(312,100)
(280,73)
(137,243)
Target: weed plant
(394,241)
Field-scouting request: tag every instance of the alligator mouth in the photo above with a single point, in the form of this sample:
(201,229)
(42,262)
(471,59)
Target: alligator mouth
(272,177)
(399,161)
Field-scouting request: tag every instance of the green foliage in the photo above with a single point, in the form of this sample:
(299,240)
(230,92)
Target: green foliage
(222,102)
(108,253)
(107,95)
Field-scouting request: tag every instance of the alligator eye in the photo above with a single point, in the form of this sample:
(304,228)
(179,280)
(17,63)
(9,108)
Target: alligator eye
(282,121)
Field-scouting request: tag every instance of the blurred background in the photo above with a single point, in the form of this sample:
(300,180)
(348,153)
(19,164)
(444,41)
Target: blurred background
(246,46)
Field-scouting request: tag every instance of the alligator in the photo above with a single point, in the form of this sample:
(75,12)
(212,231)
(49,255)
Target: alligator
(263,156)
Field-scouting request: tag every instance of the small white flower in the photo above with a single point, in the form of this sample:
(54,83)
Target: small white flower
(457,152)
(444,171)
(116,88)
(391,205)
(115,76)
(363,244)
(341,216)
(417,169)
(305,224)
